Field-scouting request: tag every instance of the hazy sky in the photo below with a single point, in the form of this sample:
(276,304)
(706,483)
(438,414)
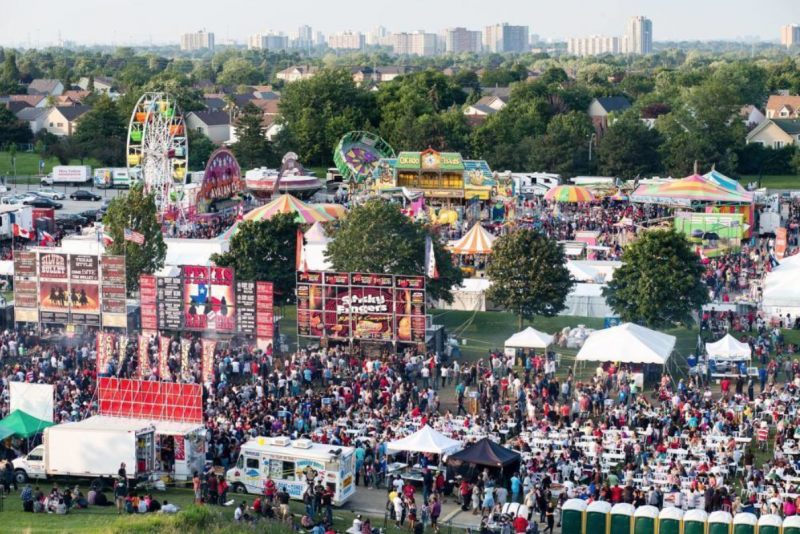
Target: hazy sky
(125,21)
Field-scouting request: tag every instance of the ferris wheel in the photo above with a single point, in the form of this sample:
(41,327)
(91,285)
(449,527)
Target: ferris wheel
(158,151)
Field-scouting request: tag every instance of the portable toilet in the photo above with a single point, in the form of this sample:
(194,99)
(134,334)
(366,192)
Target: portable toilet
(720,523)
(669,521)
(572,516)
(769,524)
(745,523)
(622,518)
(597,516)
(694,522)
(644,520)
(791,525)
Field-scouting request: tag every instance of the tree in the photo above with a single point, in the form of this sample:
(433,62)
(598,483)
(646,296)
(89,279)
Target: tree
(103,131)
(200,149)
(12,130)
(565,147)
(628,149)
(660,281)
(9,76)
(136,211)
(529,275)
(796,161)
(377,238)
(252,148)
(238,71)
(264,251)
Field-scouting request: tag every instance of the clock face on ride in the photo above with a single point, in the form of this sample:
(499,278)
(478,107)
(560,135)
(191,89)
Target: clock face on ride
(430,160)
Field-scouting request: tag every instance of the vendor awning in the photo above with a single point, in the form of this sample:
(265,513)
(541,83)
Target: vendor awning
(22,425)
(690,190)
(477,241)
(425,440)
(627,343)
(485,452)
(529,338)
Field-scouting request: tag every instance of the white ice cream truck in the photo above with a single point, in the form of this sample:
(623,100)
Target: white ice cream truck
(288,461)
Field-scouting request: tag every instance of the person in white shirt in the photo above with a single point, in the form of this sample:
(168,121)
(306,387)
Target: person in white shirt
(168,508)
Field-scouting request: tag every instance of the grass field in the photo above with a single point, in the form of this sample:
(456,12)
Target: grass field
(28,164)
(787,181)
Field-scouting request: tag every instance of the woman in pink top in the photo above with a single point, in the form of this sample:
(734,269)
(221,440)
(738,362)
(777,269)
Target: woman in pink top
(789,508)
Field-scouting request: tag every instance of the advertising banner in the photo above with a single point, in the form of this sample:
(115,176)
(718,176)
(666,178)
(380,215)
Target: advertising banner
(52,266)
(144,357)
(196,305)
(147,296)
(83,268)
(780,243)
(246,307)
(265,318)
(310,321)
(163,357)
(105,350)
(84,304)
(113,291)
(24,264)
(208,360)
(185,347)
(169,303)
(122,349)
(222,316)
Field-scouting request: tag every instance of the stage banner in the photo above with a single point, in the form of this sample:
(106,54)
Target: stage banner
(780,242)
(265,319)
(123,348)
(105,351)
(208,360)
(163,357)
(144,357)
(186,344)
(147,295)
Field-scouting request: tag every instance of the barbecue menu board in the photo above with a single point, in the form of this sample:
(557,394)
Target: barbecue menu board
(112,285)
(26,290)
(361,306)
(265,319)
(246,307)
(147,296)
(169,302)
(83,268)
(24,264)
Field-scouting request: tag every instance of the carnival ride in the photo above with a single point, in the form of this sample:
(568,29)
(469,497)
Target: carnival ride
(291,179)
(222,179)
(158,148)
(358,153)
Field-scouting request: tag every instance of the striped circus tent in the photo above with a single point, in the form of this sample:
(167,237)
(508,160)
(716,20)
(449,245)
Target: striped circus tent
(476,241)
(334,210)
(305,213)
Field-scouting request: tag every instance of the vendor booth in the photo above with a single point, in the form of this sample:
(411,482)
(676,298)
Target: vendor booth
(530,338)
(727,355)
(425,440)
(470,462)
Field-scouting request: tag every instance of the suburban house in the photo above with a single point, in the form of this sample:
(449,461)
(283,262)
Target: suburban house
(76,96)
(601,108)
(63,120)
(776,133)
(14,106)
(487,105)
(297,72)
(783,107)
(216,125)
(102,84)
(34,117)
(752,116)
(214,102)
(34,101)
(45,87)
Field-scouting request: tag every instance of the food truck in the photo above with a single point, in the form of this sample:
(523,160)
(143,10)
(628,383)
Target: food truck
(289,463)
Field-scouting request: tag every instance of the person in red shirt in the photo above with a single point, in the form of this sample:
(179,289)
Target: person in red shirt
(726,387)
(520,525)
(616,494)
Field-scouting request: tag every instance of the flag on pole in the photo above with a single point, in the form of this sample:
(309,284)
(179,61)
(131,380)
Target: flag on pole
(136,237)
(430,259)
(240,214)
(21,232)
(47,238)
(301,263)
(144,357)
(107,239)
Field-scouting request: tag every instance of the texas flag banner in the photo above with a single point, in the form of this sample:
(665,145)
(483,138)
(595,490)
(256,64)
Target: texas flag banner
(163,358)
(208,360)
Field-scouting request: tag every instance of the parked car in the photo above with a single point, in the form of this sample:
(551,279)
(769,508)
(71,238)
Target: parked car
(52,194)
(42,202)
(83,194)
(71,221)
(92,215)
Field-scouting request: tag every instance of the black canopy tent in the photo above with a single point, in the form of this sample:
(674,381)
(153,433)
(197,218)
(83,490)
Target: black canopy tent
(469,462)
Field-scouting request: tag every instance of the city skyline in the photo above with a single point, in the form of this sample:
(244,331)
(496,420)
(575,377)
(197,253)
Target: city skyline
(677,20)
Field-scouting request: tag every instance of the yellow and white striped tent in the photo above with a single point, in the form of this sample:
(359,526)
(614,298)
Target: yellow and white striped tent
(477,241)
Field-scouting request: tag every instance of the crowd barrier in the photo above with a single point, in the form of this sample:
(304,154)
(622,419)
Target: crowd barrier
(601,518)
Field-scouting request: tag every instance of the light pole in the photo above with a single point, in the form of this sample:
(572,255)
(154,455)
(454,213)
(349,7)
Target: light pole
(591,142)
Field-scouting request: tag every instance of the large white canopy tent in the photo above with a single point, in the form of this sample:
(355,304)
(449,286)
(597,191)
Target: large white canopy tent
(627,343)
(425,440)
(316,247)
(728,348)
(782,288)
(529,338)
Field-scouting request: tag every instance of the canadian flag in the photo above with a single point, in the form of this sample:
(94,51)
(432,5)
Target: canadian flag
(240,214)
(47,238)
(430,259)
(21,232)
(301,262)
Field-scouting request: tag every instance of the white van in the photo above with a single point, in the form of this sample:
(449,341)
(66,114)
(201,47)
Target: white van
(288,462)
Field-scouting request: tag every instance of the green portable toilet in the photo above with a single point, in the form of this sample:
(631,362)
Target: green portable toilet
(720,523)
(669,521)
(644,520)
(597,517)
(622,518)
(791,525)
(694,522)
(745,523)
(572,516)
(769,524)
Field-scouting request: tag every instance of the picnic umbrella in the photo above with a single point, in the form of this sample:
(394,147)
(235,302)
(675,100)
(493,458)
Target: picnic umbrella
(569,193)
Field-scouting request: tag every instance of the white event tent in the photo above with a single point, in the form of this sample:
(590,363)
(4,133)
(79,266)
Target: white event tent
(315,248)
(782,288)
(425,440)
(529,338)
(728,348)
(627,343)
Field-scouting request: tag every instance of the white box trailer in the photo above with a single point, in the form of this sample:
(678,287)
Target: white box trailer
(68,174)
(287,462)
(92,449)
(11,214)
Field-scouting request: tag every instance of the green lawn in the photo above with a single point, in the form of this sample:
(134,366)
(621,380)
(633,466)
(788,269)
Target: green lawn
(786,181)
(28,164)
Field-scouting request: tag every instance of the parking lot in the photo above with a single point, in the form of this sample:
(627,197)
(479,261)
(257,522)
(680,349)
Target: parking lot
(70,206)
